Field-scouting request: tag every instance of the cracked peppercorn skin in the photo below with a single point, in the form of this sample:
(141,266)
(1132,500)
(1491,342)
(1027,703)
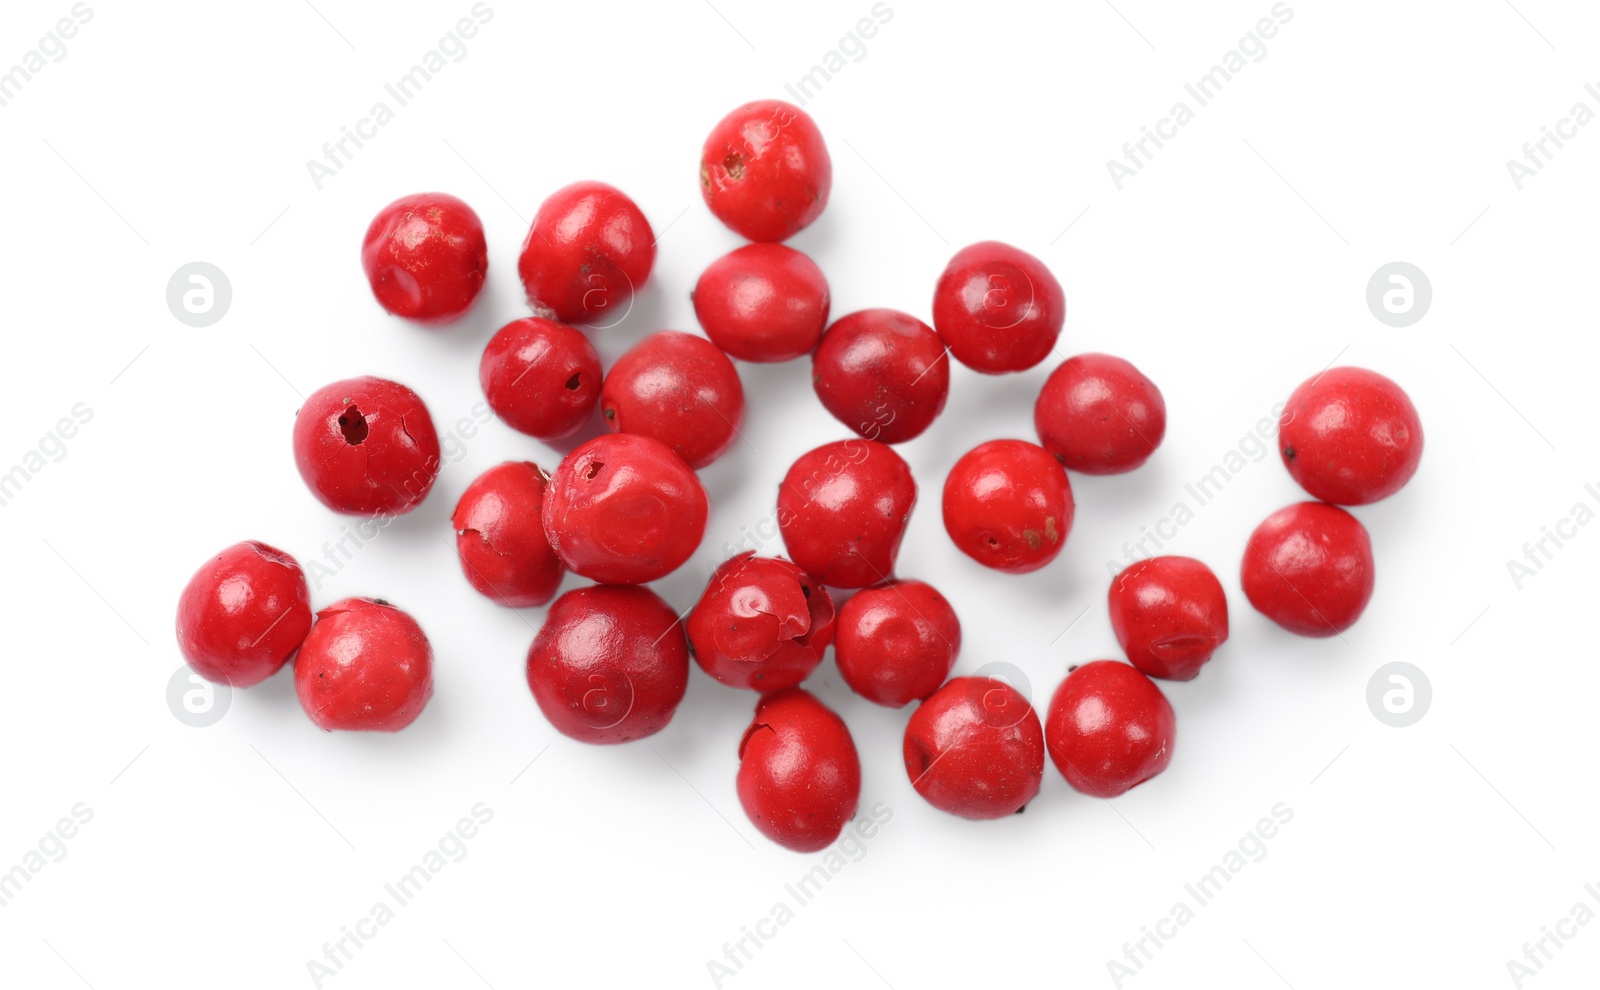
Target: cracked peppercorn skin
(799,776)
(1170,615)
(1350,436)
(1308,567)
(243,614)
(366,447)
(762,623)
(365,666)
(765,170)
(500,538)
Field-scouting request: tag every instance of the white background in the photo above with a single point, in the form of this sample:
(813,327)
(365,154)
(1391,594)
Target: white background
(1232,268)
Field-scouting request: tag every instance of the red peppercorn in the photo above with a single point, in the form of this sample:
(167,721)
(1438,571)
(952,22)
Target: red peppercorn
(1008,505)
(999,309)
(541,377)
(975,748)
(1099,415)
(425,257)
(896,642)
(842,510)
(366,446)
(679,389)
(1308,567)
(366,666)
(799,776)
(762,302)
(610,664)
(762,624)
(624,509)
(882,373)
(1350,436)
(765,172)
(1170,614)
(587,252)
(500,536)
(1110,728)
(243,614)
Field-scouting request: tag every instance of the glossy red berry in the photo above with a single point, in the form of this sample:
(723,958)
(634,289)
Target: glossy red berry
(587,252)
(842,510)
(882,373)
(975,748)
(425,257)
(1308,567)
(799,775)
(365,666)
(366,446)
(624,509)
(541,377)
(500,537)
(243,614)
(1350,436)
(765,172)
(1008,505)
(762,624)
(896,642)
(1099,415)
(762,302)
(1170,614)
(1110,728)
(679,389)
(999,309)
(610,664)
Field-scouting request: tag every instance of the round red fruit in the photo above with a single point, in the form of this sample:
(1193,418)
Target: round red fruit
(365,666)
(243,614)
(1308,567)
(1170,614)
(679,389)
(500,538)
(624,509)
(799,775)
(882,373)
(842,510)
(975,748)
(765,172)
(587,252)
(1350,436)
(1008,505)
(1099,415)
(999,309)
(425,257)
(366,446)
(896,642)
(762,302)
(1110,728)
(541,377)
(610,664)
(762,624)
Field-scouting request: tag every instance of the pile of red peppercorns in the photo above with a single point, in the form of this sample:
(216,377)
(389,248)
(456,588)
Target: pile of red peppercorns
(611,661)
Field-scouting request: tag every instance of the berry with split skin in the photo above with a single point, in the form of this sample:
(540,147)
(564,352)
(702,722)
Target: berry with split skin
(425,257)
(679,389)
(500,536)
(799,774)
(541,377)
(1350,436)
(1170,614)
(882,373)
(1008,505)
(765,171)
(624,509)
(896,642)
(243,614)
(762,624)
(366,447)
(366,666)
(1308,567)
(998,308)
(975,749)
(843,509)
(587,252)
(610,664)
(763,303)
(1099,415)
(1109,728)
